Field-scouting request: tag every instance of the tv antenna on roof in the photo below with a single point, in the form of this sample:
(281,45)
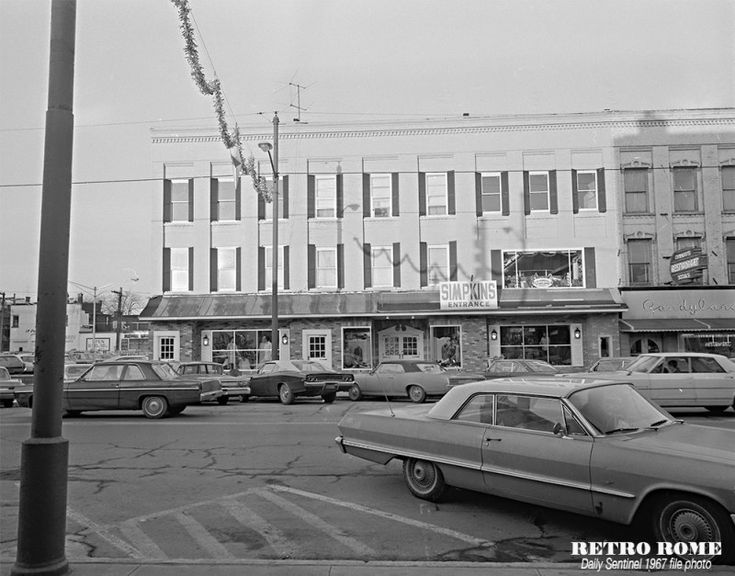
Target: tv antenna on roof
(298,107)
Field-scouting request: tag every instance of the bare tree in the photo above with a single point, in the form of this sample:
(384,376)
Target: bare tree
(131,305)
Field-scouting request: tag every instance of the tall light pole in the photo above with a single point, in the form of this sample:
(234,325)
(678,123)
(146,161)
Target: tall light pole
(267,147)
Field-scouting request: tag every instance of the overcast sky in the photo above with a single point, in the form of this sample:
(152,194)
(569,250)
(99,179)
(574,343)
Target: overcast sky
(358,60)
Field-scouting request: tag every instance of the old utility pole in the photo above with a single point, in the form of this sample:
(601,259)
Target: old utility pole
(2,322)
(118,324)
(45,455)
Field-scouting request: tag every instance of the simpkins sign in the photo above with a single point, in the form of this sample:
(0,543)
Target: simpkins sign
(468,295)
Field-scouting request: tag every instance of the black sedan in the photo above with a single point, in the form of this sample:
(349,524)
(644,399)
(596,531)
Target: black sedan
(152,387)
(288,379)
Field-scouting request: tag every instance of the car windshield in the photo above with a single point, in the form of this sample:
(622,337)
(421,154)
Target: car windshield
(539,366)
(643,364)
(308,366)
(617,408)
(164,371)
(430,368)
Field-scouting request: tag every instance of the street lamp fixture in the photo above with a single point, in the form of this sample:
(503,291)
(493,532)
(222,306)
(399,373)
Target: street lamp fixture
(267,147)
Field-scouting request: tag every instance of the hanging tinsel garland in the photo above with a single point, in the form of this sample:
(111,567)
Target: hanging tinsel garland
(231,140)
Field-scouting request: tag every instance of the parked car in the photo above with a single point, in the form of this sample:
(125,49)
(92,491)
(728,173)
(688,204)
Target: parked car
(611,363)
(413,379)
(232,386)
(506,367)
(74,371)
(597,448)
(152,387)
(15,364)
(681,379)
(7,387)
(288,379)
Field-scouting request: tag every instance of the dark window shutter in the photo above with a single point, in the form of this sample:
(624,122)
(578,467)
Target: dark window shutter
(366,202)
(340,266)
(191,269)
(238,269)
(261,208)
(590,272)
(575,193)
(367,265)
(310,196)
(167,200)
(553,196)
(166,270)
(395,198)
(213,269)
(453,260)
(261,268)
(284,193)
(422,194)
(423,264)
(238,199)
(340,196)
(504,193)
(526,193)
(478,194)
(213,199)
(496,266)
(311,266)
(396,264)
(191,199)
(601,194)
(451,202)
(286,267)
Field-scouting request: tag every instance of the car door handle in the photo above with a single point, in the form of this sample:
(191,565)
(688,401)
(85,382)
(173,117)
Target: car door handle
(493,439)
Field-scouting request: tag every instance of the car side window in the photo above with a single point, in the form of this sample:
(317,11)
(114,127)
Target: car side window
(709,365)
(528,412)
(574,428)
(390,369)
(134,372)
(105,373)
(479,409)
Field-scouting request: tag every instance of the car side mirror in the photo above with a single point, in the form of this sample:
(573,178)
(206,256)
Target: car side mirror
(559,429)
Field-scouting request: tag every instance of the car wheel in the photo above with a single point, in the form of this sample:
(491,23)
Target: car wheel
(285,394)
(424,479)
(685,518)
(222,400)
(329,397)
(416,394)
(716,409)
(354,393)
(154,406)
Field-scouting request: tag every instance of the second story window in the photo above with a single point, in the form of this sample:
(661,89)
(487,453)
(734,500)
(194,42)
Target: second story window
(728,188)
(436,193)
(639,262)
(635,185)
(326,267)
(282,199)
(586,189)
(685,189)
(180,269)
(226,269)
(730,247)
(381,197)
(382,266)
(269,267)
(438,264)
(178,196)
(326,196)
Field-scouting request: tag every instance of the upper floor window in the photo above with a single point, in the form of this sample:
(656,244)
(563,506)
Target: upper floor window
(326,267)
(587,189)
(224,199)
(326,196)
(226,269)
(635,185)
(382,266)
(547,269)
(179,269)
(436,193)
(16,318)
(282,198)
(178,197)
(685,190)
(728,188)
(730,247)
(538,189)
(381,195)
(269,266)
(639,261)
(438,264)
(491,189)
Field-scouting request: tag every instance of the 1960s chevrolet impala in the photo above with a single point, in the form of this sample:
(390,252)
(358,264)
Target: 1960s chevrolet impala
(594,448)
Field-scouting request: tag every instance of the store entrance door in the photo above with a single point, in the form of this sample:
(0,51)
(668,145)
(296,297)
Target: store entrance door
(400,342)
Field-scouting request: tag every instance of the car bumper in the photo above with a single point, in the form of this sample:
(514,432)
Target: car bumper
(319,388)
(210,396)
(236,391)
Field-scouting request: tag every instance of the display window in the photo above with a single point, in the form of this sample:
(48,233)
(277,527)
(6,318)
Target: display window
(241,349)
(446,345)
(710,343)
(357,346)
(551,343)
(547,269)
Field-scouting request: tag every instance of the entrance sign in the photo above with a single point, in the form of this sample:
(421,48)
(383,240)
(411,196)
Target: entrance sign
(468,295)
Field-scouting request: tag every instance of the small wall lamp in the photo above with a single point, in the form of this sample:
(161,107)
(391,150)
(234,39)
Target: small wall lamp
(577,333)
(284,339)
(494,334)
(205,340)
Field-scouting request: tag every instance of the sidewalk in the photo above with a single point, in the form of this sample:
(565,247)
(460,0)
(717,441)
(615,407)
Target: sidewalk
(103,567)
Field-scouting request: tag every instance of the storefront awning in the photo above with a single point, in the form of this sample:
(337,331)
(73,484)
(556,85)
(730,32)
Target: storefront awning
(422,302)
(676,325)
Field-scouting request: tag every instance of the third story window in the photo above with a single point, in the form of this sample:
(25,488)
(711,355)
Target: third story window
(180,200)
(436,194)
(226,201)
(728,188)
(491,192)
(326,196)
(380,195)
(685,190)
(538,185)
(635,183)
(587,189)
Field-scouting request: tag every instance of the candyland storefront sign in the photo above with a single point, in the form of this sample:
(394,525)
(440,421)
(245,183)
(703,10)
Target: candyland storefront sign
(468,295)
(680,304)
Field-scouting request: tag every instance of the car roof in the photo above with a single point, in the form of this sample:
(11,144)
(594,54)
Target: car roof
(680,354)
(551,386)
